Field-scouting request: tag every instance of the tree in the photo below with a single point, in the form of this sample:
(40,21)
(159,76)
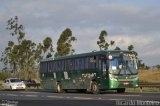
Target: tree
(117,48)
(47,46)
(158,66)
(23,56)
(130,47)
(16,28)
(102,43)
(64,43)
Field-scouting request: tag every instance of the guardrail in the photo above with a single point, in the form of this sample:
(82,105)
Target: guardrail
(149,85)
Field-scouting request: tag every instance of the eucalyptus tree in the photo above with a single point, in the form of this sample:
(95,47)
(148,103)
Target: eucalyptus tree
(23,55)
(64,43)
(117,48)
(10,53)
(102,43)
(48,47)
(130,47)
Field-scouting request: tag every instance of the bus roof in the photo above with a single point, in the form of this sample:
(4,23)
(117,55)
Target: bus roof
(87,54)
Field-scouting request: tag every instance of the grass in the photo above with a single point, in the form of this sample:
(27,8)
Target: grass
(149,76)
(145,89)
(1,84)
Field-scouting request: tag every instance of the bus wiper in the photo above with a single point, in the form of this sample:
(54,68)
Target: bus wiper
(130,71)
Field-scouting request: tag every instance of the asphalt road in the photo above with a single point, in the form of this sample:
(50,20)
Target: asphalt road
(49,98)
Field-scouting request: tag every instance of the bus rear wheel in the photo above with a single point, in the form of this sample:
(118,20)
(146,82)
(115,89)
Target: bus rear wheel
(94,88)
(59,88)
(121,90)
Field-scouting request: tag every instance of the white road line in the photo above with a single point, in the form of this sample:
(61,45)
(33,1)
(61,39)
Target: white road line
(125,95)
(115,99)
(55,97)
(68,97)
(11,95)
(99,98)
(31,95)
(131,95)
(29,92)
(42,96)
(84,98)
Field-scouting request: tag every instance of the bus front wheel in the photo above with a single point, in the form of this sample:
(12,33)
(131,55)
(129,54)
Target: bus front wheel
(94,88)
(59,88)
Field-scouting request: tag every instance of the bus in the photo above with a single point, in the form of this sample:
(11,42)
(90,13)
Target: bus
(95,71)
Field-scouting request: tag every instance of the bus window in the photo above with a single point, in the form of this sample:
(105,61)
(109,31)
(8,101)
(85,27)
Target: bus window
(100,66)
(44,67)
(92,63)
(49,66)
(104,67)
(86,63)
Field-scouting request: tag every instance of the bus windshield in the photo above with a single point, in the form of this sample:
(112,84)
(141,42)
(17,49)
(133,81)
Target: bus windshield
(123,65)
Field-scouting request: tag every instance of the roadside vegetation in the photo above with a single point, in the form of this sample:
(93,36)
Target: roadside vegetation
(151,76)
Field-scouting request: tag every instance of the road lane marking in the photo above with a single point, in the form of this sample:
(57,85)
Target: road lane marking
(115,99)
(99,98)
(31,95)
(11,95)
(125,95)
(55,97)
(29,92)
(42,96)
(131,95)
(84,98)
(68,97)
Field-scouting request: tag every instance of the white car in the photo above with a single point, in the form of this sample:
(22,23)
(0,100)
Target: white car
(13,84)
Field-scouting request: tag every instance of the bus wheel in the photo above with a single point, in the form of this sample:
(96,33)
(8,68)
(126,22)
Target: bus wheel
(59,88)
(121,90)
(94,88)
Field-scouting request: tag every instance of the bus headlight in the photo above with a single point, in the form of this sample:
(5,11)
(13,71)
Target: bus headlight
(135,77)
(112,77)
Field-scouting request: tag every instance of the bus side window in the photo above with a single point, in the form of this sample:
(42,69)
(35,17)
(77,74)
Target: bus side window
(86,63)
(100,64)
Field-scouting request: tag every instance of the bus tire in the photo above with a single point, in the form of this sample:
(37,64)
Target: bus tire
(121,90)
(94,88)
(59,88)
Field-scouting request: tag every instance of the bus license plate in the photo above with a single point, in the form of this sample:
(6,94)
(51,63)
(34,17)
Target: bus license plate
(126,83)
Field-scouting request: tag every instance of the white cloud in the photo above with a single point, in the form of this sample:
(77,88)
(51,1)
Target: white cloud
(126,22)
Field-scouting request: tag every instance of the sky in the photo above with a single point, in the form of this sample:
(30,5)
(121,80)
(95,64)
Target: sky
(127,22)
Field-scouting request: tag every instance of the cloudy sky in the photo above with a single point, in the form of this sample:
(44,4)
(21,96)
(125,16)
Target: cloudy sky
(127,22)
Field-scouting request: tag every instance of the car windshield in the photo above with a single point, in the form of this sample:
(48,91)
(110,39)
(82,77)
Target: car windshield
(15,80)
(123,65)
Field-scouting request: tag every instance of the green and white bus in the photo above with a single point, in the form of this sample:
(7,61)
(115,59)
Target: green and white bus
(94,71)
